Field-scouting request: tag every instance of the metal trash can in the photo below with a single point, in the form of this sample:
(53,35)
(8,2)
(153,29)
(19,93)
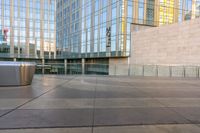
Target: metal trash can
(16,73)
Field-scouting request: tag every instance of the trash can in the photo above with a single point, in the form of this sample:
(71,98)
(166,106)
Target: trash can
(16,73)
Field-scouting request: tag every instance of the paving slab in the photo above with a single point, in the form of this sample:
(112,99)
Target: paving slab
(19,92)
(115,104)
(126,103)
(49,130)
(38,87)
(70,93)
(119,92)
(190,113)
(3,111)
(60,103)
(137,116)
(179,102)
(47,118)
(172,93)
(11,103)
(174,128)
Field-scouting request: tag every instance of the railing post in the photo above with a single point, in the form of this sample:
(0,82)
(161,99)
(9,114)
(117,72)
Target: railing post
(143,70)
(157,70)
(14,59)
(170,71)
(184,72)
(115,69)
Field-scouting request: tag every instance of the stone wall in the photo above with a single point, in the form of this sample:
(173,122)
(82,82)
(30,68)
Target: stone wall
(176,44)
(118,66)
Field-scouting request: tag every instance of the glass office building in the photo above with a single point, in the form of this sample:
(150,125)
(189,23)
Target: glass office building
(27,28)
(101,28)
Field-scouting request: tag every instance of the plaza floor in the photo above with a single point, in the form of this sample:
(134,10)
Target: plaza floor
(101,104)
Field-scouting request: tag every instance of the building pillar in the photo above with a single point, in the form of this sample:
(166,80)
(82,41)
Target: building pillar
(135,11)
(193,9)
(124,26)
(41,27)
(54,43)
(83,66)
(27,44)
(65,61)
(145,12)
(12,54)
(117,29)
(49,50)
(108,29)
(92,28)
(176,11)
(43,63)
(19,54)
(156,13)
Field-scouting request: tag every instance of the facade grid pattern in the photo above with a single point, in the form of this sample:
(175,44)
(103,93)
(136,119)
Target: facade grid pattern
(82,25)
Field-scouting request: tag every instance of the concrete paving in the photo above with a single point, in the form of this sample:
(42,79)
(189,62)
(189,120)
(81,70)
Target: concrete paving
(101,104)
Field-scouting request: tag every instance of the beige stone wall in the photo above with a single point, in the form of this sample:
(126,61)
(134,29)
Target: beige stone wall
(176,44)
(118,66)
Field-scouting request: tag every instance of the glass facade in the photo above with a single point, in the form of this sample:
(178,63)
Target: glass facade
(178,10)
(27,28)
(1,36)
(101,28)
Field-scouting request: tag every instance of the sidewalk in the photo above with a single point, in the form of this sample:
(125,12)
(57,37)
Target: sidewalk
(101,104)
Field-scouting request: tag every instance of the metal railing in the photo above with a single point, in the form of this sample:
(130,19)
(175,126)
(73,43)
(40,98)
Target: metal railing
(119,69)
(155,70)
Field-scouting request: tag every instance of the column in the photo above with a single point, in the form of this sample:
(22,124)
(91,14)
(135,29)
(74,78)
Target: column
(156,12)
(145,12)
(65,61)
(41,29)
(49,40)
(83,66)
(11,30)
(193,9)
(135,11)
(108,28)
(54,42)
(18,32)
(124,27)
(27,46)
(92,28)
(176,11)
(43,63)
